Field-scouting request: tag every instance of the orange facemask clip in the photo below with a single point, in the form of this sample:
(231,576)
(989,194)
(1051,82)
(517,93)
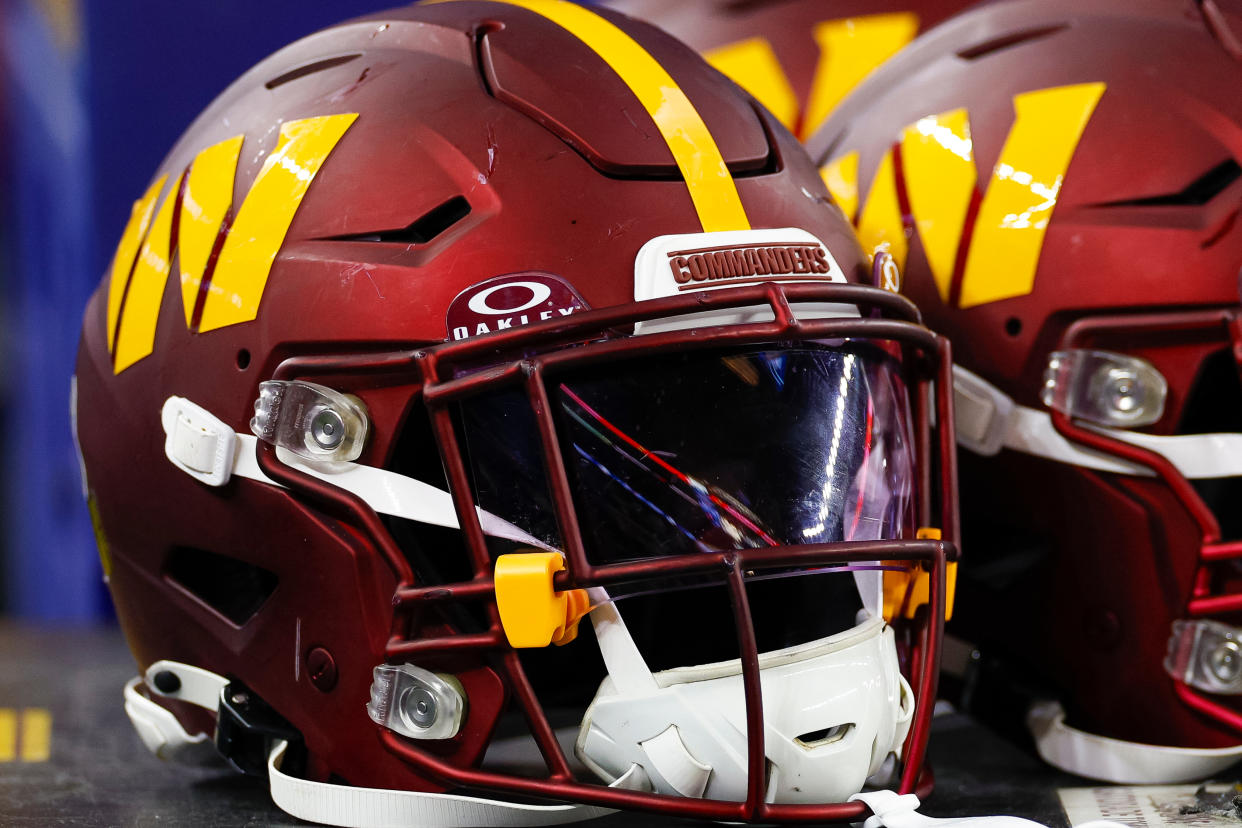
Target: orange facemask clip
(532,612)
(909,589)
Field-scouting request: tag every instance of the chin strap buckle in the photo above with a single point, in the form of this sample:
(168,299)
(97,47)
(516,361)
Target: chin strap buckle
(247,729)
(198,442)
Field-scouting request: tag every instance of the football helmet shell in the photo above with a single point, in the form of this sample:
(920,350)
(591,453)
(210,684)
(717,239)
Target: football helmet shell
(1061,178)
(799,58)
(326,239)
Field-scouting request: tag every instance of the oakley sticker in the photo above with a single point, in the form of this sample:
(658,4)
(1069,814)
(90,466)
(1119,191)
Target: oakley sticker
(510,302)
(938,179)
(669,265)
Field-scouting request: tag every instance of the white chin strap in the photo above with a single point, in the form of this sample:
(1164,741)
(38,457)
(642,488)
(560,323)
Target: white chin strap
(322,802)
(1113,760)
(893,811)
(350,807)
(367,807)
(988,420)
(204,447)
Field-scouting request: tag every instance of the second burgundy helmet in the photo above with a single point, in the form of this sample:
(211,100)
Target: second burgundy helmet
(444,329)
(1062,182)
(799,58)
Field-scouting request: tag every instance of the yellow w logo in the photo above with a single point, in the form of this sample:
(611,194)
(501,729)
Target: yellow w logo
(223,267)
(936,160)
(849,49)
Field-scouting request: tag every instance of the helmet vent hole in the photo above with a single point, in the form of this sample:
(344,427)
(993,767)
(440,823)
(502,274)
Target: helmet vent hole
(1009,40)
(1197,193)
(825,736)
(243,359)
(1013,326)
(310,69)
(234,589)
(421,230)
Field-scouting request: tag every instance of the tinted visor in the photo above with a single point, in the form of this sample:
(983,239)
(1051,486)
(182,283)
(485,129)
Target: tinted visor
(680,453)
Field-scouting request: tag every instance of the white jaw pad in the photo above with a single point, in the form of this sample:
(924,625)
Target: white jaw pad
(705,708)
(1114,760)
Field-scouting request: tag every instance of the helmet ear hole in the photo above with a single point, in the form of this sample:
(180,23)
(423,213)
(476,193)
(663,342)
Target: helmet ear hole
(243,359)
(1013,326)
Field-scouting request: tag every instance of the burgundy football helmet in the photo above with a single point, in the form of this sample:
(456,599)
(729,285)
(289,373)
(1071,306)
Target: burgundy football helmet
(1061,181)
(443,328)
(799,58)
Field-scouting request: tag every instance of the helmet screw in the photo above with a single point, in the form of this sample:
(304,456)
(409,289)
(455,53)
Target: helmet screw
(1226,662)
(419,707)
(321,668)
(327,429)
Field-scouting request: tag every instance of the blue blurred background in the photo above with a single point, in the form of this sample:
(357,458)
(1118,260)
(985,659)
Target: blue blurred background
(95,93)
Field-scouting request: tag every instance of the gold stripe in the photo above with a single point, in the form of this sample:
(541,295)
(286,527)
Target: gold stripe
(1026,182)
(36,734)
(753,65)
(711,185)
(265,216)
(8,735)
(850,49)
(127,250)
(135,337)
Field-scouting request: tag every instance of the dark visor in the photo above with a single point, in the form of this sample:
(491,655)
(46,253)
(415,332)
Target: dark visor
(753,447)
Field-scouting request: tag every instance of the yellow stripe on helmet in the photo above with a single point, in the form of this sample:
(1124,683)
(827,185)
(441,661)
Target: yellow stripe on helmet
(707,177)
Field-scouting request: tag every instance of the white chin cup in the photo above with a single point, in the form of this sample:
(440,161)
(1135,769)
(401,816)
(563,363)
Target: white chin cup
(833,709)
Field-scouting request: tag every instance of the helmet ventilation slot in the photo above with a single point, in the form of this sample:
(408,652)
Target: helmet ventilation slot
(232,588)
(824,736)
(421,230)
(1195,194)
(1009,40)
(310,69)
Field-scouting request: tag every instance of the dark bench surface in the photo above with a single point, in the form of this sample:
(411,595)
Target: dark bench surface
(98,773)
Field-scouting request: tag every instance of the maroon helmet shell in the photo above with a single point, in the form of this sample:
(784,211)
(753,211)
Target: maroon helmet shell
(799,58)
(1064,177)
(532,313)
